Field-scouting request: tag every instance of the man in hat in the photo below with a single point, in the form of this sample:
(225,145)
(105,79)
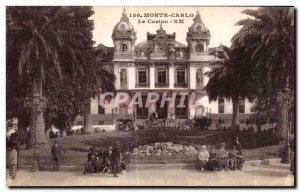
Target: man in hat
(236,158)
(237,144)
(202,158)
(115,159)
(57,151)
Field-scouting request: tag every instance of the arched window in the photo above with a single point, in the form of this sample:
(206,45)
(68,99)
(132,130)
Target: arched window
(123,47)
(199,48)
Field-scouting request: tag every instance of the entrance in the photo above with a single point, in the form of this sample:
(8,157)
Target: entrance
(162,112)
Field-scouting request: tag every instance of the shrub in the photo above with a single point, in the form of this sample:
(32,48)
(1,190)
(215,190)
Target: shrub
(202,123)
(141,126)
(69,132)
(21,135)
(123,124)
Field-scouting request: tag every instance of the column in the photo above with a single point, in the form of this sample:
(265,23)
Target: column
(152,75)
(171,76)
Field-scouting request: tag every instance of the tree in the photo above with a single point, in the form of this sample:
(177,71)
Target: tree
(228,80)
(268,41)
(66,100)
(98,79)
(42,38)
(16,91)
(259,119)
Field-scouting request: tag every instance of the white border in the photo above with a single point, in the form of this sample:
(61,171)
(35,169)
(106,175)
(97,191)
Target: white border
(4,3)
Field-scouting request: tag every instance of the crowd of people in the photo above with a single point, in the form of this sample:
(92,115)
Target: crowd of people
(218,159)
(107,161)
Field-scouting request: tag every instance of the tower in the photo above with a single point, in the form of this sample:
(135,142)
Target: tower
(124,38)
(198,37)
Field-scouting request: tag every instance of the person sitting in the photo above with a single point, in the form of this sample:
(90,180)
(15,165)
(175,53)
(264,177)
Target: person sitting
(124,162)
(212,160)
(222,158)
(237,144)
(107,162)
(202,158)
(100,160)
(236,159)
(90,163)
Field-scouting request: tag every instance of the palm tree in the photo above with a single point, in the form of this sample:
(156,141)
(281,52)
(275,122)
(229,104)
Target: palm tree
(228,80)
(98,77)
(42,37)
(268,42)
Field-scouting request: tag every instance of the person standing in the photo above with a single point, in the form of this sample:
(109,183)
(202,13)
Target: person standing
(13,161)
(57,151)
(203,158)
(115,159)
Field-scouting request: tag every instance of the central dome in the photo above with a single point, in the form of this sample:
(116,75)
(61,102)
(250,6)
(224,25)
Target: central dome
(123,27)
(198,26)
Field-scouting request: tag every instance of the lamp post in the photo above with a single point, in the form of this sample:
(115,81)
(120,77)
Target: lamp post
(37,105)
(284,97)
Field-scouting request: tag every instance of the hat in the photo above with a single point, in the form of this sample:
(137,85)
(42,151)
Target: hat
(203,147)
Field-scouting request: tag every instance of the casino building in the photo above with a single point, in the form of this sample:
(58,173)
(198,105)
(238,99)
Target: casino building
(159,64)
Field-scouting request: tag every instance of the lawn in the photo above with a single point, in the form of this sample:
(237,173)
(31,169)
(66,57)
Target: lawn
(78,145)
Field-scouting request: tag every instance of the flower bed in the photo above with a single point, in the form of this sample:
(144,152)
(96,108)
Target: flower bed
(164,152)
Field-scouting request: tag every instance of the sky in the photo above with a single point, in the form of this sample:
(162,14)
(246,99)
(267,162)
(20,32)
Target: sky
(219,20)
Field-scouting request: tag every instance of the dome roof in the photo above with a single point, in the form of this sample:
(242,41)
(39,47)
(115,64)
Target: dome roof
(123,27)
(198,26)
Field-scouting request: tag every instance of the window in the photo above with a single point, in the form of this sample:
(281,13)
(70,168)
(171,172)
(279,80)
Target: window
(180,76)
(161,76)
(100,122)
(221,105)
(79,122)
(123,47)
(199,48)
(142,77)
(241,106)
(199,78)
(101,110)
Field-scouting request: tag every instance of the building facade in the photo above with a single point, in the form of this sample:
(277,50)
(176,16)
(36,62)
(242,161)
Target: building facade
(161,64)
